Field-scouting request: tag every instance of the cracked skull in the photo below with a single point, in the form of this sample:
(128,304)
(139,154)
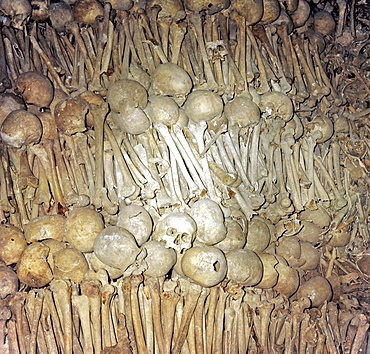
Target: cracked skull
(176,230)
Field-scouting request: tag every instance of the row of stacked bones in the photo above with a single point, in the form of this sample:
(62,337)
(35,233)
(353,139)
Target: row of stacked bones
(253,183)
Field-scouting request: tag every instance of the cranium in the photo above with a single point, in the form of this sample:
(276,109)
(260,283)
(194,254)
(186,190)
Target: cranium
(171,80)
(210,221)
(18,11)
(216,50)
(117,248)
(176,230)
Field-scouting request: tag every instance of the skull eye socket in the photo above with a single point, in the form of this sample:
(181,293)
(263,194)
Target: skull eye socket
(171,231)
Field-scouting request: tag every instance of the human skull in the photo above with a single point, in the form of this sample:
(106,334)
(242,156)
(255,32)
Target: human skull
(276,105)
(210,221)
(116,247)
(171,80)
(18,11)
(205,265)
(177,230)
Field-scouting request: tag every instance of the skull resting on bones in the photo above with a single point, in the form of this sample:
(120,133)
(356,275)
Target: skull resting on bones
(176,230)
(18,11)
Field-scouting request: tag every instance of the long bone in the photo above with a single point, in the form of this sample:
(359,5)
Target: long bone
(316,91)
(74,29)
(199,321)
(169,301)
(136,280)
(124,17)
(47,328)
(187,156)
(81,303)
(152,184)
(55,319)
(164,24)
(34,304)
(260,32)
(198,131)
(239,79)
(339,200)
(262,83)
(196,26)
(154,159)
(62,292)
(217,345)
(194,189)
(146,311)
(154,289)
(192,294)
(92,289)
(195,63)
(130,188)
(177,33)
(290,169)
(138,37)
(108,334)
(44,153)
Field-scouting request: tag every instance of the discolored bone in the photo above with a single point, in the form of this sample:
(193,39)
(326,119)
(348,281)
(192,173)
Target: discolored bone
(62,292)
(108,336)
(74,29)
(55,319)
(262,83)
(154,289)
(239,80)
(192,294)
(136,280)
(49,65)
(5,82)
(177,33)
(92,289)
(260,32)
(34,321)
(196,26)
(169,299)
(164,23)
(47,328)
(210,317)
(81,303)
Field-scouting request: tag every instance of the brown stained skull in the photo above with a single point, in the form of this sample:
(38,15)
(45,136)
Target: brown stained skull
(176,230)
(70,115)
(17,10)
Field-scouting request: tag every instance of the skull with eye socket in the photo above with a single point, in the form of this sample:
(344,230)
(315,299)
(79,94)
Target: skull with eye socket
(177,230)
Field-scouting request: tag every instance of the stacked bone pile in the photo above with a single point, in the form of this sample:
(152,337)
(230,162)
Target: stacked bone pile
(184,177)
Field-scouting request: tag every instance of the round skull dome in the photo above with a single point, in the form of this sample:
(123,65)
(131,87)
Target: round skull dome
(242,111)
(159,259)
(21,127)
(126,93)
(210,221)
(116,247)
(244,267)
(136,220)
(171,80)
(276,105)
(203,105)
(205,265)
(70,264)
(81,228)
